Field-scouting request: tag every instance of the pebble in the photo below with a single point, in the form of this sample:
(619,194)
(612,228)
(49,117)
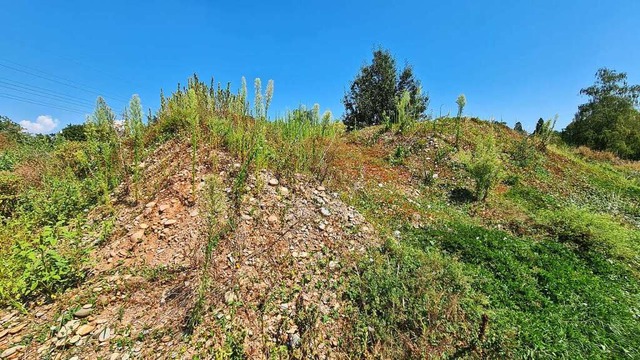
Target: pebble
(164,207)
(246,217)
(101,321)
(320,188)
(229,297)
(150,205)
(322,226)
(39,314)
(87,306)
(283,190)
(85,329)
(114,356)
(3,333)
(294,340)
(143,226)
(272,219)
(273,182)
(194,213)
(104,335)
(74,358)
(170,222)
(74,339)
(82,313)
(166,338)
(10,351)
(16,329)
(325,212)
(138,236)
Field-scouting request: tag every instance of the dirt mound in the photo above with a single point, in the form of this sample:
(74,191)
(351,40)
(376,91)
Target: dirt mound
(271,285)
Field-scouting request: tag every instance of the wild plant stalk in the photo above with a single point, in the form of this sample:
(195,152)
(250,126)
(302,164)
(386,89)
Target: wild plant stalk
(461,101)
(258,99)
(268,96)
(136,132)
(194,120)
(103,140)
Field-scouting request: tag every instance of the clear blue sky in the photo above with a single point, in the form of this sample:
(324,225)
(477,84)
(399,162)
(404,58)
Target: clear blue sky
(514,60)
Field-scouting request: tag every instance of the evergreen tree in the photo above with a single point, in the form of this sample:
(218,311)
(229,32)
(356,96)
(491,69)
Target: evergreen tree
(539,127)
(518,127)
(373,94)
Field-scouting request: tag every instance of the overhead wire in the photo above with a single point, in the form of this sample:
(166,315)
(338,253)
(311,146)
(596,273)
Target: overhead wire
(57,79)
(36,102)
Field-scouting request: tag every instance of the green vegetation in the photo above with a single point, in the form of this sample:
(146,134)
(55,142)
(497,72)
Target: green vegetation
(461,101)
(376,90)
(610,119)
(483,164)
(545,264)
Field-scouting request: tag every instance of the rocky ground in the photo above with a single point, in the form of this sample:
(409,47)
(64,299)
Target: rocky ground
(271,287)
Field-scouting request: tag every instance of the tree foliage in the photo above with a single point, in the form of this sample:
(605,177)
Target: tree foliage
(518,127)
(74,132)
(11,129)
(610,119)
(376,90)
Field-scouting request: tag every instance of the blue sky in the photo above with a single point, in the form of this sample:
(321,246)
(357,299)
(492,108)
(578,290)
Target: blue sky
(514,60)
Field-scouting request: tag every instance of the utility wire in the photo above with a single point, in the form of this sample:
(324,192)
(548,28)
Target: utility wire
(35,102)
(59,80)
(29,87)
(56,98)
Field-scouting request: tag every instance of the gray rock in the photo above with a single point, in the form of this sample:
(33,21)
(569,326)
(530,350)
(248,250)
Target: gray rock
(294,340)
(82,313)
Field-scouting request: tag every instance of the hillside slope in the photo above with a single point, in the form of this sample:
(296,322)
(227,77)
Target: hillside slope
(247,238)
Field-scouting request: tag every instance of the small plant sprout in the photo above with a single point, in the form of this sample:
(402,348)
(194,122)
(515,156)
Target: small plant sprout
(461,101)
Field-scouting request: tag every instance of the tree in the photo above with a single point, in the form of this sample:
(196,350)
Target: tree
(539,127)
(610,119)
(74,132)
(13,130)
(375,91)
(544,132)
(518,127)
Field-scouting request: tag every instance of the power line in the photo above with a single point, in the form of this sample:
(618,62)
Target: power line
(56,98)
(35,102)
(43,90)
(59,80)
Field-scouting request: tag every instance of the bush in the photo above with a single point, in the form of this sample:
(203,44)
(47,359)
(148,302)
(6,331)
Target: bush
(10,185)
(524,153)
(484,166)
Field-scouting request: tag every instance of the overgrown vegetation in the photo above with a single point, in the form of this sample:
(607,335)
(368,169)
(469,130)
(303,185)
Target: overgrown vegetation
(544,265)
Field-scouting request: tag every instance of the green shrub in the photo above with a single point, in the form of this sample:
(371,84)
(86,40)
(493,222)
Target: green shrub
(484,166)
(524,152)
(10,186)
(46,270)
(399,155)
